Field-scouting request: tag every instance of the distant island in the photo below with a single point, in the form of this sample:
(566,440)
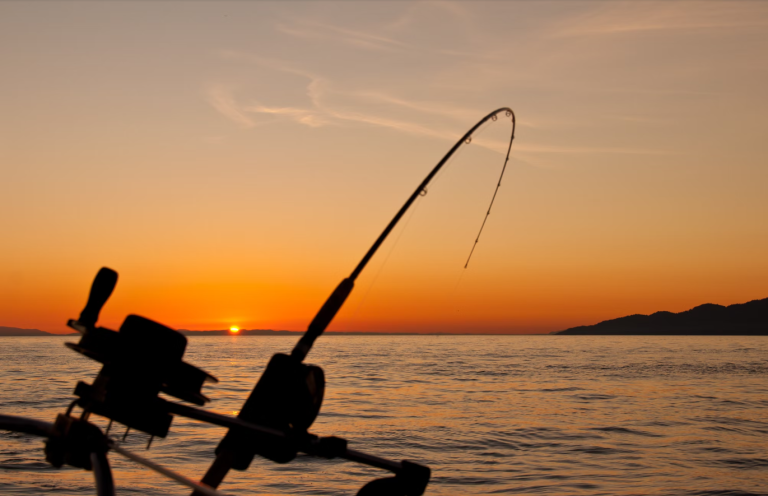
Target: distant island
(744,319)
(267,332)
(18,331)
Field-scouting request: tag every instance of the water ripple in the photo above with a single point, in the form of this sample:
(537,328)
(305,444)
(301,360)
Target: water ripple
(620,416)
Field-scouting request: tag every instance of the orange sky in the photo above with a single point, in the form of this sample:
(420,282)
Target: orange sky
(233,161)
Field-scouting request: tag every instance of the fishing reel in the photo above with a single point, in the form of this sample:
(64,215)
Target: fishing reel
(139,361)
(287,398)
(143,359)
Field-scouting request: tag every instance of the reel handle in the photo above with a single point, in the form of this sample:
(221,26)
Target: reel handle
(101,289)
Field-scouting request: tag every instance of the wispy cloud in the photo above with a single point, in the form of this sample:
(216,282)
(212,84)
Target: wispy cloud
(434,108)
(331,99)
(220,97)
(308,117)
(262,61)
(648,17)
(398,125)
(327,105)
(384,37)
(570,150)
(416,11)
(317,115)
(316,30)
(530,149)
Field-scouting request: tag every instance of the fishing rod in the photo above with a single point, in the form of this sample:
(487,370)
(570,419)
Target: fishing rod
(144,358)
(271,404)
(334,302)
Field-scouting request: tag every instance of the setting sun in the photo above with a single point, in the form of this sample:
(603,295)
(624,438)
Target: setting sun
(234,329)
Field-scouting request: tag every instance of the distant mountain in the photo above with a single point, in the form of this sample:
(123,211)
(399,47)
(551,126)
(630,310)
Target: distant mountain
(267,332)
(241,332)
(17,331)
(744,319)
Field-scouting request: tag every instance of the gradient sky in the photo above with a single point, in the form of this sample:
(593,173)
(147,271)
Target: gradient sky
(233,161)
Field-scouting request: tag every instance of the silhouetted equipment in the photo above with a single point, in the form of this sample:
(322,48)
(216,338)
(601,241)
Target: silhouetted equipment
(411,480)
(287,398)
(141,360)
(74,442)
(101,290)
(511,114)
(232,453)
(339,295)
(145,358)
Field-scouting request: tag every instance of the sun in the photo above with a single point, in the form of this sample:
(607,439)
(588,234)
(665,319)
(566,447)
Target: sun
(234,329)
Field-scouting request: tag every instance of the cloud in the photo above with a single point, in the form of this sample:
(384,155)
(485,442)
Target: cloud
(317,115)
(416,12)
(398,125)
(222,100)
(533,148)
(650,17)
(340,101)
(316,30)
(529,148)
(373,39)
(330,106)
(305,116)
(434,108)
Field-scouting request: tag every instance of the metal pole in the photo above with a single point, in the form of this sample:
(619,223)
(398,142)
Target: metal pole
(105,485)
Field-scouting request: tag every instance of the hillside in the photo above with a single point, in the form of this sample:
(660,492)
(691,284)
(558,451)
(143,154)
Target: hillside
(17,331)
(744,319)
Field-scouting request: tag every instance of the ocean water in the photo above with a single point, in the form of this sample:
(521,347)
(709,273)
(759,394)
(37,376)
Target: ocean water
(556,415)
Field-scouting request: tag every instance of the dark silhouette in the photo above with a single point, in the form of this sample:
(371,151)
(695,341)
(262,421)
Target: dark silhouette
(16,331)
(144,358)
(267,404)
(744,319)
(268,332)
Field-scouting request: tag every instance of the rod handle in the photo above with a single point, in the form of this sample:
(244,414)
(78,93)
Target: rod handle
(101,289)
(323,318)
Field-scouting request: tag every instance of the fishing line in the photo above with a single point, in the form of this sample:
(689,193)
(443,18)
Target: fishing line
(339,295)
(452,297)
(435,180)
(410,216)
(496,191)
(455,290)
(447,165)
(386,258)
(479,131)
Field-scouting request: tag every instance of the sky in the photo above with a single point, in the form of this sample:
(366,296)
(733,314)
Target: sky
(234,161)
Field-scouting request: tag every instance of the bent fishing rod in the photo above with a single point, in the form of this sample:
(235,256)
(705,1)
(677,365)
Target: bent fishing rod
(338,297)
(145,358)
(236,450)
